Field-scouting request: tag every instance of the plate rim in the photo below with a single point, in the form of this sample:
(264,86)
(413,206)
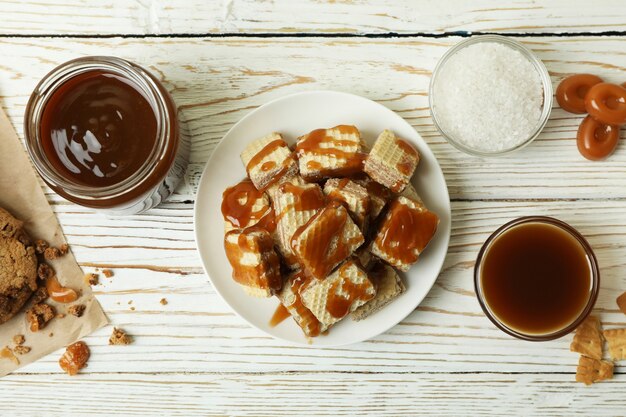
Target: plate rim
(196,215)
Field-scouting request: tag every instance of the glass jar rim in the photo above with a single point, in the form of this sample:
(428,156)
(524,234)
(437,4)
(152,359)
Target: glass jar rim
(546,83)
(50,83)
(593,293)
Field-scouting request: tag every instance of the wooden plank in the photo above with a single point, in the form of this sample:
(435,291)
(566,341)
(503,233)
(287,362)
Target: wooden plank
(218,81)
(311,394)
(197,332)
(310,16)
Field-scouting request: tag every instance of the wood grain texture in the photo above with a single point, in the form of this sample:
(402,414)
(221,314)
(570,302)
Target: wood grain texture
(217,81)
(308,16)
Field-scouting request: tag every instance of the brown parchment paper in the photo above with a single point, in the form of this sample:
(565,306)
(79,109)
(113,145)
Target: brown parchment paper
(22,196)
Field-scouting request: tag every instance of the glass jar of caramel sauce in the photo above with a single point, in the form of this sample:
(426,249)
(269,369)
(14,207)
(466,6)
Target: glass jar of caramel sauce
(104,133)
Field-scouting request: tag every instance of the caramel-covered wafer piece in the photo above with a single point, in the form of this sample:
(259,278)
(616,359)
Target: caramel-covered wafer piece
(268,160)
(588,338)
(616,339)
(326,240)
(621,302)
(593,370)
(391,162)
(334,152)
(244,206)
(290,297)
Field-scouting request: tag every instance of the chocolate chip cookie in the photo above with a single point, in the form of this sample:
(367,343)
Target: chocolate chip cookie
(18,266)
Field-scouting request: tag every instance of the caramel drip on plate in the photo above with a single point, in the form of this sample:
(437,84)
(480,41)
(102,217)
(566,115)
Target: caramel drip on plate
(343,293)
(280,314)
(238,204)
(407,232)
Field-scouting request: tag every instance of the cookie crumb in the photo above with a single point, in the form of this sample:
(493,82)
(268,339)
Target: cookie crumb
(64,249)
(92,279)
(19,339)
(163,301)
(132,309)
(60,316)
(107,273)
(51,253)
(41,246)
(39,315)
(8,354)
(130,302)
(51,334)
(76,310)
(21,350)
(40,295)
(75,358)
(44,271)
(119,337)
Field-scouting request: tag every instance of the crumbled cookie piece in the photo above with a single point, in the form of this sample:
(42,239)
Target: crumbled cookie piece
(39,315)
(75,358)
(19,339)
(44,271)
(7,353)
(51,253)
(119,337)
(64,249)
(163,301)
(76,310)
(60,316)
(616,339)
(92,279)
(41,246)
(132,309)
(107,273)
(588,338)
(21,350)
(40,295)
(592,370)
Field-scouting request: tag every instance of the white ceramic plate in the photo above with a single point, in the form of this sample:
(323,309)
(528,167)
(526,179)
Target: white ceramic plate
(293,116)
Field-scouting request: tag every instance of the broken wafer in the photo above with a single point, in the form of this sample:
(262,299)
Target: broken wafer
(256,266)
(326,240)
(334,152)
(267,160)
(391,162)
(591,370)
(354,196)
(404,233)
(588,338)
(342,292)
(290,297)
(294,205)
(389,286)
(616,339)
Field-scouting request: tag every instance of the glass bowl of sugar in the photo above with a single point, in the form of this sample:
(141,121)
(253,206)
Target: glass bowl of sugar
(490,95)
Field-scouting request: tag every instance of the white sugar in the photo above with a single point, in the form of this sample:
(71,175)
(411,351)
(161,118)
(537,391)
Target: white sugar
(488,97)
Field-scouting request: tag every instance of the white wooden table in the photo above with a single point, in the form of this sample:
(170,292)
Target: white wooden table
(193,356)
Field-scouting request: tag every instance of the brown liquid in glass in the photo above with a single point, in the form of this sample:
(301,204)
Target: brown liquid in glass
(536,278)
(98,129)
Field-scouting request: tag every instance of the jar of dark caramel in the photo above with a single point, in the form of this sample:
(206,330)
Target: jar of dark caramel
(104,133)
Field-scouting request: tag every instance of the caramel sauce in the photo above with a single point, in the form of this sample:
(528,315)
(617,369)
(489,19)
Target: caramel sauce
(319,143)
(98,129)
(320,256)
(280,314)
(406,232)
(267,166)
(536,278)
(265,152)
(308,322)
(305,198)
(343,293)
(264,275)
(238,207)
(407,148)
(59,293)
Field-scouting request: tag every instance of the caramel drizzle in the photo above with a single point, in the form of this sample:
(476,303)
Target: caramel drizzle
(264,275)
(280,314)
(263,153)
(318,255)
(271,165)
(305,198)
(308,322)
(238,203)
(406,232)
(312,144)
(406,165)
(343,293)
